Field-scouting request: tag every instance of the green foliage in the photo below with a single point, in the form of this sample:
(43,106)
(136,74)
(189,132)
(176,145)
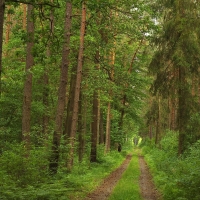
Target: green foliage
(24,173)
(25,176)
(177,177)
(22,168)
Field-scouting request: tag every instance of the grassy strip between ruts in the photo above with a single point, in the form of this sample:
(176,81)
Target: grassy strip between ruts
(128,186)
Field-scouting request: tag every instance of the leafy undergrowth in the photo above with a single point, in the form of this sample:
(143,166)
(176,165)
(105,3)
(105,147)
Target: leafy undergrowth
(128,186)
(176,177)
(23,178)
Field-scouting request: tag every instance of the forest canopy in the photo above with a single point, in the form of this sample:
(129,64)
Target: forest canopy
(80,78)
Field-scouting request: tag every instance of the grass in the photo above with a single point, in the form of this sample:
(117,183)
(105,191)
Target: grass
(86,180)
(128,186)
(84,177)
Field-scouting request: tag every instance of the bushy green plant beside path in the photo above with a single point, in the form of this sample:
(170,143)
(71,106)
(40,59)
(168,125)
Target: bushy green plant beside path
(178,177)
(22,178)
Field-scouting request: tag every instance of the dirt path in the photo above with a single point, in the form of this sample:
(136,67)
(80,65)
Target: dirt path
(147,188)
(105,189)
(148,191)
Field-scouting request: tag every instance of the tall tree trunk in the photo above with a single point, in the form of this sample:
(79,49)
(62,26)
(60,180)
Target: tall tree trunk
(45,118)
(46,79)
(158,123)
(53,166)
(26,111)
(24,7)
(96,117)
(123,102)
(150,132)
(108,123)
(81,127)
(182,112)
(173,100)
(101,129)
(199,86)
(70,105)
(2,9)
(8,21)
(95,125)
(77,88)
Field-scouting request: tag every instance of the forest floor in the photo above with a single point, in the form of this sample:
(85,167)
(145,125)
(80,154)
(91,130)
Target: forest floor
(147,188)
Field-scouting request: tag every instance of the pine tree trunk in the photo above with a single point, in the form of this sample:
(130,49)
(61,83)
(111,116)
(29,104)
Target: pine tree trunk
(173,114)
(122,113)
(96,117)
(27,95)
(199,86)
(95,124)
(2,9)
(81,129)
(53,166)
(158,122)
(101,129)
(150,132)
(45,118)
(108,123)
(8,21)
(70,105)
(182,113)
(24,7)
(77,88)
(46,80)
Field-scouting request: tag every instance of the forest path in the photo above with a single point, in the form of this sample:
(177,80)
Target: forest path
(147,188)
(105,189)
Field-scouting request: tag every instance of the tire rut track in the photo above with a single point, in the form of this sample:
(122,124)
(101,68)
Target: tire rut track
(105,189)
(147,187)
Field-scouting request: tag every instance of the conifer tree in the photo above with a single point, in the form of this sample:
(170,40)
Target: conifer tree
(177,47)
(27,96)
(62,90)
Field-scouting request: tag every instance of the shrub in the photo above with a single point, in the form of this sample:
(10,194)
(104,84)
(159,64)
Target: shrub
(177,177)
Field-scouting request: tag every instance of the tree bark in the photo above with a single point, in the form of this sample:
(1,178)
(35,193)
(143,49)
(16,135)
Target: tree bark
(122,112)
(96,117)
(46,79)
(101,129)
(8,21)
(81,129)
(150,132)
(53,166)
(26,110)
(158,123)
(2,9)
(182,112)
(77,88)
(24,7)
(95,124)
(70,105)
(198,85)
(108,123)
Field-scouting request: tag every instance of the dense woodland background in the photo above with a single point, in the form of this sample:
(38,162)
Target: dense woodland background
(78,78)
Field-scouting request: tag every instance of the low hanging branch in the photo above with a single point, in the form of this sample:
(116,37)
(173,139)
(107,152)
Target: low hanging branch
(42,3)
